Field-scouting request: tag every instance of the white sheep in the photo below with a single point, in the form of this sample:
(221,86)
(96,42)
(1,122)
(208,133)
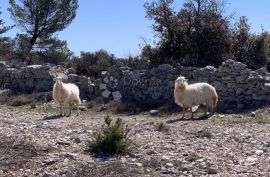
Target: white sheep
(186,95)
(66,95)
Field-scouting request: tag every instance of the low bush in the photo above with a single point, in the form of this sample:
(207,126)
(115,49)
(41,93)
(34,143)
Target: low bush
(111,139)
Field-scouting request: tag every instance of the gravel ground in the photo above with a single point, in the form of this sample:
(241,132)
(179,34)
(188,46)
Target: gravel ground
(38,143)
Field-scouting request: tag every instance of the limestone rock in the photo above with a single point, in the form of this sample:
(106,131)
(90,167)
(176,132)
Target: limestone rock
(116,95)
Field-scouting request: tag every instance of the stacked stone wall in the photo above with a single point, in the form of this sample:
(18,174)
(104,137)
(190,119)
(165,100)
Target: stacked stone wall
(238,86)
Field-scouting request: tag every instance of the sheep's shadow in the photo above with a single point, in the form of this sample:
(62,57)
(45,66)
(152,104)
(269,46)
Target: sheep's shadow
(200,118)
(52,117)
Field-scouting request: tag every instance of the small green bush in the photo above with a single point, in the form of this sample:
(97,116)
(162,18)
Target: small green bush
(161,126)
(112,138)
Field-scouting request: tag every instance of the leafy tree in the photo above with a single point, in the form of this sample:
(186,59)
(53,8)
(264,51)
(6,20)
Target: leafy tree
(249,48)
(198,34)
(260,51)
(21,47)
(6,44)
(54,51)
(209,32)
(161,12)
(51,50)
(242,43)
(6,48)
(40,19)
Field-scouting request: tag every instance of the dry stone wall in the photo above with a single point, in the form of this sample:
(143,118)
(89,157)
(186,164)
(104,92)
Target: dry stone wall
(40,78)
(28,79)
(238,87)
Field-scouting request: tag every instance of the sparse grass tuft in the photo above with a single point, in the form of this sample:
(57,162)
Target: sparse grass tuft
(6,95)
(112,138)
(22,100)
(161,126)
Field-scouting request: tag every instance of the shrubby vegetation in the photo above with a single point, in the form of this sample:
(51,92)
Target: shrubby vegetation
(198,34)
(5,45)
(111,138)
(91,64)
(250,48)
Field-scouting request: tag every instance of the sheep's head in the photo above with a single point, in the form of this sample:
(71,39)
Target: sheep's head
(181,82)
(58,80)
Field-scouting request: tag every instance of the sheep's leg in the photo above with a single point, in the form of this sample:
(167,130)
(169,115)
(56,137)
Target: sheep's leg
(69,107)
(192,114)
(69,112)
(61,110)
(77,110)
(205,111)
(212,110)
(183,116)
(66,109)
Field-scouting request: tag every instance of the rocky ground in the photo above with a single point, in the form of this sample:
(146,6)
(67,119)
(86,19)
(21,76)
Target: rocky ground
(36,142)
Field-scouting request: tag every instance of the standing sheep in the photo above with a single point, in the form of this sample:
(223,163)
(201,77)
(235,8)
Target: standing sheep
(66,95)
(186,95)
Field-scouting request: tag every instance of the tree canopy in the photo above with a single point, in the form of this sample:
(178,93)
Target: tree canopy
(3,28)
(41,19)
(199,34)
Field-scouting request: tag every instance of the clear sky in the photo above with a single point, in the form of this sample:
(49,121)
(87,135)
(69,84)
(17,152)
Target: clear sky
(118,26)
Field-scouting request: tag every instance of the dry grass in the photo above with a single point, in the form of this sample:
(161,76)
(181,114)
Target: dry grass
(238,119)
(22,100)
(108,168)
(6,95)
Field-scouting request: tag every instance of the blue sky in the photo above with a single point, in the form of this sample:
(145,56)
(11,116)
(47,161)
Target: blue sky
(118,26)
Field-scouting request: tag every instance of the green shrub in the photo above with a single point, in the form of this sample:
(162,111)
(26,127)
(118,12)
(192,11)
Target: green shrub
(112,138)
(92,64)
